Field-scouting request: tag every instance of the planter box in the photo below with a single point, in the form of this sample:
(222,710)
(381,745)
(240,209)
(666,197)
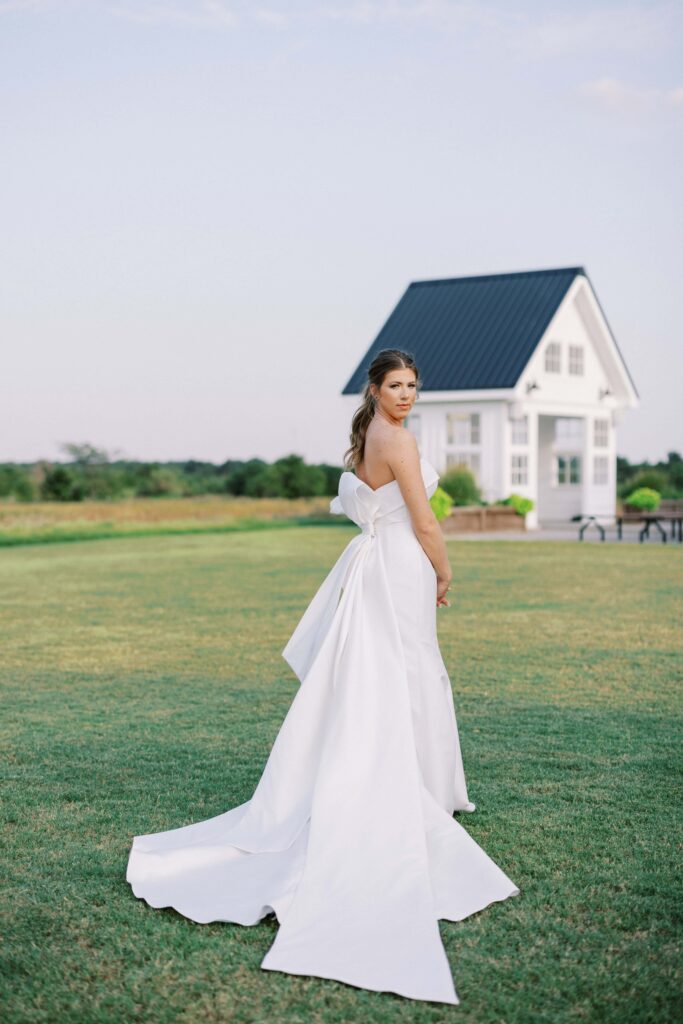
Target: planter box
(464,518)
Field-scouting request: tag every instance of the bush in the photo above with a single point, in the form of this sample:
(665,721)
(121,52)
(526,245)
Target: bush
(644,498)
(441,503)
(520,504)
(461,485)
(652,479)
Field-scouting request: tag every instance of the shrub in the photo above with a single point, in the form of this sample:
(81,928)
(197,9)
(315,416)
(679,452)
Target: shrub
(520,504)
(644,498)
(441,503)
(652,479)
(460,483)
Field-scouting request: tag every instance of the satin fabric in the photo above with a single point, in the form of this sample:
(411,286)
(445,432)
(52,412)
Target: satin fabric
(349,836)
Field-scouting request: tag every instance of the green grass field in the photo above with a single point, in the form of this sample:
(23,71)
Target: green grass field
(143,684)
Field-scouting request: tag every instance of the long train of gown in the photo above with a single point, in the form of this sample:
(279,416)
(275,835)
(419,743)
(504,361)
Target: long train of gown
(349,836)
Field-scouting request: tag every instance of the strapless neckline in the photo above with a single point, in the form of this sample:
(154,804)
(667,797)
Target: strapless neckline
(376,490)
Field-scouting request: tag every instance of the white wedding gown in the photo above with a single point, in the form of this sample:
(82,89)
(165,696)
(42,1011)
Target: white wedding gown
(349,836)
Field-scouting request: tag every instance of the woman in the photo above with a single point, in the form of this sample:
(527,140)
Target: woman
(349,838)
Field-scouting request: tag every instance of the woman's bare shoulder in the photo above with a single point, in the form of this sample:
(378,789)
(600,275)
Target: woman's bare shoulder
(389,443)
(402,445)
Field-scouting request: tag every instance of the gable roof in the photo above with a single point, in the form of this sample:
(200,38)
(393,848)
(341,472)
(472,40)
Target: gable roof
(471,333)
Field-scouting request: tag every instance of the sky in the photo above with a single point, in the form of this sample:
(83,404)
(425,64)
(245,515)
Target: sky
(208,209)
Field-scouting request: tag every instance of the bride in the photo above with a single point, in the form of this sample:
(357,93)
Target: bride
(349,837)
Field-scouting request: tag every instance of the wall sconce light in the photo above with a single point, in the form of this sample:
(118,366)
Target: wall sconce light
(532,386)
(603,392)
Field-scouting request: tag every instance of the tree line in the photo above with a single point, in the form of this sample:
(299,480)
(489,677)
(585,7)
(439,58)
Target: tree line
(90,472)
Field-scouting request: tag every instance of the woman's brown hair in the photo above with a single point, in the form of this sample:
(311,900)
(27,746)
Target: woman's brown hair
(385,361)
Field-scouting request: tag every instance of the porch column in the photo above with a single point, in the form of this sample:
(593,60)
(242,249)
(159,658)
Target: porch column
(532,467)
(587,467)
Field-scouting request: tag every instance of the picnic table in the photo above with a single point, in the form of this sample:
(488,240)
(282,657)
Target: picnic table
(670,511)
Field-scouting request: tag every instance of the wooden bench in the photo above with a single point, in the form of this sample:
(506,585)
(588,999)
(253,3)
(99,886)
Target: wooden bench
(670,511)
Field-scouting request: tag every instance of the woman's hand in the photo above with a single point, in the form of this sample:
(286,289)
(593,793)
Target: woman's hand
(443,585)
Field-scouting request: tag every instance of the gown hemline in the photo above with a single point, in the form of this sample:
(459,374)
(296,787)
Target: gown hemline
(358,799)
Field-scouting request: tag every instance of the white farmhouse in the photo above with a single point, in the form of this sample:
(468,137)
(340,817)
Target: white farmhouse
(523,382)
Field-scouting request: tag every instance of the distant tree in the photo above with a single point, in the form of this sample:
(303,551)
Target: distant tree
(297,479)
(332,474)
(288,477)
(675,470)
(241,473)
(266,482)
(93,471)
(161,481)
(86,454)
(624,469)
(61,484)
(16,483)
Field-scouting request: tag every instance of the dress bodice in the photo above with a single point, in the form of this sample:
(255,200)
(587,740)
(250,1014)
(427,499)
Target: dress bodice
(369,508)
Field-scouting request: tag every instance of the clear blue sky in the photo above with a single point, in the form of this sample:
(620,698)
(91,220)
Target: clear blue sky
(208,209)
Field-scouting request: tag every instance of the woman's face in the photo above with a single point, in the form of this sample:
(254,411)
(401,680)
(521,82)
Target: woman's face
(397,393)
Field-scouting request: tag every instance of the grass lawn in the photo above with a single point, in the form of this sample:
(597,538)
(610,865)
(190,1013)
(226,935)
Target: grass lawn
(143,684)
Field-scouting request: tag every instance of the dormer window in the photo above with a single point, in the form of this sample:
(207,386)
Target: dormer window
(552,357)
(576,359)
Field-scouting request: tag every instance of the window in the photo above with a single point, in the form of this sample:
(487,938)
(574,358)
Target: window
(552,357)
(469,459)
(576,359)
(414,425)
(519,469)
(601,433)
(567,469)
(463,428)
(568,430)
(600,469)
(520,430)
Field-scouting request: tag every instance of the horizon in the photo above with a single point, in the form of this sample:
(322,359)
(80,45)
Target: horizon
(210,208)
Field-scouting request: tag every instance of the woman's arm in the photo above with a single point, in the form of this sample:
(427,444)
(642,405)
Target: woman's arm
(404,460)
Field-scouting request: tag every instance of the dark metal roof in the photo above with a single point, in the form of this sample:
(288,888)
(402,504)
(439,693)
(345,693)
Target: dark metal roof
(471,332)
